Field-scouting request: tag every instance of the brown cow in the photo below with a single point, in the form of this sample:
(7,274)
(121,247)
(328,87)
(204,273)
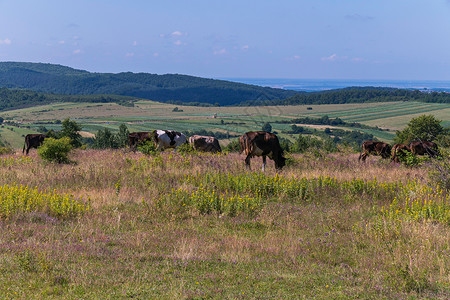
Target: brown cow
(375,148)
(262,143)
(33,141)
(205,143)
(424,147)
(137,138)
(398,150)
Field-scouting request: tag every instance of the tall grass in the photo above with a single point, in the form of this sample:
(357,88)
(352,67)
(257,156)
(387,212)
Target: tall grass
(202,226)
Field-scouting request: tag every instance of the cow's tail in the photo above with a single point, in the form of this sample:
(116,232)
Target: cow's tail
(23,150)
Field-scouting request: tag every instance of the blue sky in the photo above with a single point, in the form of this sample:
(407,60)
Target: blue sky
(342,39)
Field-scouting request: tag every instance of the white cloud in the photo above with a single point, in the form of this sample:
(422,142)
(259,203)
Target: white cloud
(131,54)
(177,33)
(77,51)
(135,43)
(357,59)
(5,42)
(156,54)
(220,52)
(245,47)
(178,43)
(61,42)
(332,57)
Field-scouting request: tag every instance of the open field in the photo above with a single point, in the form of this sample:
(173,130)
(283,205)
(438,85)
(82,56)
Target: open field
(148,115)
(186,226)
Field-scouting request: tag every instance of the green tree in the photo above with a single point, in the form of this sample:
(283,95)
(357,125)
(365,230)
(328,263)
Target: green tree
(267,127)
(70,129)
(105,139)
(422,128)
(122,136)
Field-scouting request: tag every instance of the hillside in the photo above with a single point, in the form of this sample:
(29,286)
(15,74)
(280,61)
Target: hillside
(358,95)
(56,79)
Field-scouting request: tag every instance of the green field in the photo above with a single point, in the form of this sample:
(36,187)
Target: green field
(148,115)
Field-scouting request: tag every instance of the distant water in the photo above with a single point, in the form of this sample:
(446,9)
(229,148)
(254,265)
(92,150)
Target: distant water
(310,85)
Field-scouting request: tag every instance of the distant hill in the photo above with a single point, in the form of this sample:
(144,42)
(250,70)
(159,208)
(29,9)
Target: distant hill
(57,79)
(358,95)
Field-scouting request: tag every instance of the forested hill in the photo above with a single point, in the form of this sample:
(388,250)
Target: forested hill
(57,79)
(358,95)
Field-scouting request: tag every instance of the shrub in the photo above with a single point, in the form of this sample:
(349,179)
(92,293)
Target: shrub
(55,150)
(185,149)
(148,148)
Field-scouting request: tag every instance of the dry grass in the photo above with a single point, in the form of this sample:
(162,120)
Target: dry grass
(334,244)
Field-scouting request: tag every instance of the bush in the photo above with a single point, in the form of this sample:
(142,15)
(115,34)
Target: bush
(186,148)
(148,148)
(55,150)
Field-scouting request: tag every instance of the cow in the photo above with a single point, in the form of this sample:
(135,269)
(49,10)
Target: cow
(137,138)
(164,139)
(375,148)
(205,143)
(262,143)
(399,150)
(424,147)
(33,141)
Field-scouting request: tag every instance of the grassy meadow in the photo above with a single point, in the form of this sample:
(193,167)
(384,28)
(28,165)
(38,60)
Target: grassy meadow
(117,224)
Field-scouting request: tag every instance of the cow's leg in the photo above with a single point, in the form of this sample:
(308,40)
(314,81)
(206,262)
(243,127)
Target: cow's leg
(28,149)
(247,161)
(264,163)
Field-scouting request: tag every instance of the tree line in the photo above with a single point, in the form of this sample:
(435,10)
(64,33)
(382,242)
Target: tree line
(357,95)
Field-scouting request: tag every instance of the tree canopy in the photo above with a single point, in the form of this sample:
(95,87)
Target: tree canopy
(421,128)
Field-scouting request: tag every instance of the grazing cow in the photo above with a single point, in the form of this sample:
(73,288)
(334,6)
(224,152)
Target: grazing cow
(205,143)
(164,139)
(375,148)
(33,141)
(398,150)
(137,138)
(421,148)
(262,143)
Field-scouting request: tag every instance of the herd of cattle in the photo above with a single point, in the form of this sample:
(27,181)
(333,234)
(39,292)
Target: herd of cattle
(385,151)
(253,143)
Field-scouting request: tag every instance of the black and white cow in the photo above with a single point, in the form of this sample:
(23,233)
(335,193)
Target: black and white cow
(164,139)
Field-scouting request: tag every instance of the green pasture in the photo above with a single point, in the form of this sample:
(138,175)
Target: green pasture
(149,115)
(14,136)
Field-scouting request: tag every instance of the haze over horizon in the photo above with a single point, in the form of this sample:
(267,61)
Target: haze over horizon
(323,39)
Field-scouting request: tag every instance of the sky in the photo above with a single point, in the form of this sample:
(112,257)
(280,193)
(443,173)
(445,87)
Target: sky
(317,39)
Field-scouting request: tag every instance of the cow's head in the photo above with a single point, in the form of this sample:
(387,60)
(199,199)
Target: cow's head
(280,162)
